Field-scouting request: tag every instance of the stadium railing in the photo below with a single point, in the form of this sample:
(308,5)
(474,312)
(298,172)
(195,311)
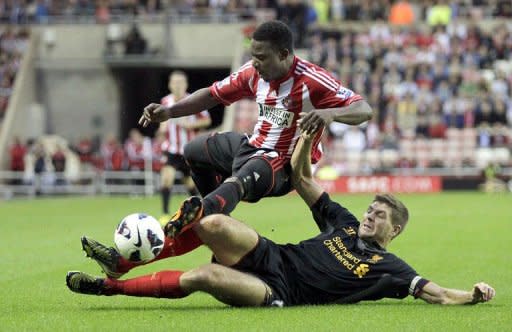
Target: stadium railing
(143,183)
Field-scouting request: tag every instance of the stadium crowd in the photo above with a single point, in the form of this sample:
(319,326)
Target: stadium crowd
(424,83)
(440,90)
(298,13)
(13,42)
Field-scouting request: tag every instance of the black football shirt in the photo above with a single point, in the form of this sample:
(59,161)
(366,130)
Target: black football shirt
(337,263)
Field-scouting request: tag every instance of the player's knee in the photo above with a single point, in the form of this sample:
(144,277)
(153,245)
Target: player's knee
(213,225)
(202,278)
(256,178)
(195,150)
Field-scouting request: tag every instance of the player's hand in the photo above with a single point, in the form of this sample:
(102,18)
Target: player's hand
(154,113)
(482,292)
(314,121)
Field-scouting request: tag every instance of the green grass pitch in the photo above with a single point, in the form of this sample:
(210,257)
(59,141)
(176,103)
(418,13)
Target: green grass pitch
(455,239)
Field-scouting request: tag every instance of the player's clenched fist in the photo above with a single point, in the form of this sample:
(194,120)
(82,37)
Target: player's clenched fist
(154,113)
(482,292)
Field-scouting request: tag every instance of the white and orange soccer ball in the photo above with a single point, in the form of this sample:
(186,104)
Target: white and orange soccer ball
(139,237)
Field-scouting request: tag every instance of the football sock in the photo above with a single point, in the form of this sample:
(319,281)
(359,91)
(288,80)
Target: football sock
(164,284)
(166,195)
(223,199)
(183,243)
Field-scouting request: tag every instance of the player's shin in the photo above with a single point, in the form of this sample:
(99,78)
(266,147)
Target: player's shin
(166,198)
(163,284)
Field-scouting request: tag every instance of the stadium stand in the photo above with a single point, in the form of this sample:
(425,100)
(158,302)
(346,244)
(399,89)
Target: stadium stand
(440,87)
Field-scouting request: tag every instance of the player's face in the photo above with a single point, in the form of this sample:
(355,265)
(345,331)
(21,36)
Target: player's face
(268,62)
(376,224)
(178,85)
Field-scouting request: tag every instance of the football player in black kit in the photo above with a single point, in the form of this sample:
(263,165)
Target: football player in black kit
(346,263)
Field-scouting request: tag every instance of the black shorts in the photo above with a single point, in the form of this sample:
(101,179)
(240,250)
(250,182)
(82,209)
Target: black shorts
(177,161)
(267,262)
(227,153)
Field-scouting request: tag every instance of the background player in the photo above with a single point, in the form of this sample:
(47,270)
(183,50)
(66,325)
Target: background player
(346,259)
(229,167)
(178,133)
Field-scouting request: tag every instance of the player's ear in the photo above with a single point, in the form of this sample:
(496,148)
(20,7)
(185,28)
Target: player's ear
(397,229)
(283,54)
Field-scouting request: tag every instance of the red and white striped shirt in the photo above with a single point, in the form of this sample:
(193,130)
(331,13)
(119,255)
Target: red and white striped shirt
(178,136)
(306,87)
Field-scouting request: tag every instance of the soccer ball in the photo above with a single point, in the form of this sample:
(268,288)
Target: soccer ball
(139,237)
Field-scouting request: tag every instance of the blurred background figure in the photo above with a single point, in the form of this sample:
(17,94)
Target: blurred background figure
(178,132)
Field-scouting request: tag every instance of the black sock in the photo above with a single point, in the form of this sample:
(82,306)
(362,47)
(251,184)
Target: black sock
(223,200)
(166,197)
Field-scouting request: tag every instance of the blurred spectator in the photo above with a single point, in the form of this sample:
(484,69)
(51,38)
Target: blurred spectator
(492,183)
(42,11)
(406,113)
(422,126)
(85,150)
(136,150)
(294,14)
(59,164)
(401,13)
(439,14)
(102,13)
(17,152)
(321,11)
(112,152)
(134,42)
(436,128)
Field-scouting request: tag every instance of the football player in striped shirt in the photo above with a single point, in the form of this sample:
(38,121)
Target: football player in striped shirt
(178,133)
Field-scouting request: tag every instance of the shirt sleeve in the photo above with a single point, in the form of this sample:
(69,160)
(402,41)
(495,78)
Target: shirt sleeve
(236,86)
(329,214)
(326,92)
(406,280)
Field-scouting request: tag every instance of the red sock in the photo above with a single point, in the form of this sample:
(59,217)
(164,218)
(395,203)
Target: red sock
(165,284)
(183,243)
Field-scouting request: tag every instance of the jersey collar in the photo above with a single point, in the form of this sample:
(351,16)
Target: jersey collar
(372,247)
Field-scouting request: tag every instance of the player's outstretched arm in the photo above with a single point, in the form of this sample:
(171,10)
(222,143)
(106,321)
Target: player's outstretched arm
(353,114)
(433,293)
(302,177)
(195,103)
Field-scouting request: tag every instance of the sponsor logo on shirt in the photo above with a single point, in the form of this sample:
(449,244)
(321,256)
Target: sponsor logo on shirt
(224,82)
(375,259)
(287,102)
(277,116)
(344,93)
(346,258)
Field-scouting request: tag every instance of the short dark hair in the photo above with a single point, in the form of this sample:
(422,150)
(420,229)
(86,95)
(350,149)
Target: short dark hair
(399,212)
(275,32)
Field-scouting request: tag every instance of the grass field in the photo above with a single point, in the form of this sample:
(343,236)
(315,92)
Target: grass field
(455,239)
